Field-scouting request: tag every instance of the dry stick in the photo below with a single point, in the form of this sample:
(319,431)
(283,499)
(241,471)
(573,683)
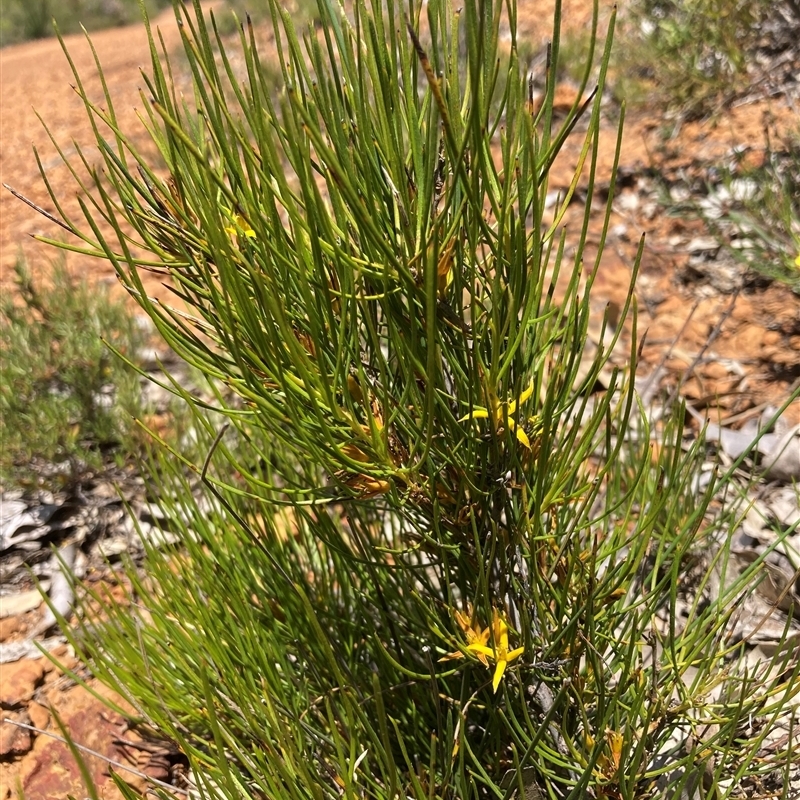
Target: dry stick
(668,353)
(756,410)
(711,339)
(213,447)
(89,751)
(39,209)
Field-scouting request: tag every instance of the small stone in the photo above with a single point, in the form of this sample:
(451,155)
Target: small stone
(703,244)
(716,370)
(65,657)
(19,681)
(620,231)
(9,626)
(40,716)
(14,741)
(12,605)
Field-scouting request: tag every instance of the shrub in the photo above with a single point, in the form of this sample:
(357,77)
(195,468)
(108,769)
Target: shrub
(22,20)
(698,56)
(65,400)
(431,561)
(756,211)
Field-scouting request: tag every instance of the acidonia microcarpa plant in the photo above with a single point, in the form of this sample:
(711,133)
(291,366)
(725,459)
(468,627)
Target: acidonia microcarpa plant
(427,559)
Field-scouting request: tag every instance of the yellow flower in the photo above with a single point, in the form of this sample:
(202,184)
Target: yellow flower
(797,261)
(368,487)
(239,226)
(500,653)
(444,269)
(476,638)
(499,417)
(354,452)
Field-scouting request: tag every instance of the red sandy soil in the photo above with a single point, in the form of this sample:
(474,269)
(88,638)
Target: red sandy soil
(36,80)
(762,332)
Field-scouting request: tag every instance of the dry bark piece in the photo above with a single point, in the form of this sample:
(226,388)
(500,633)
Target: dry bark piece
(40,716)
(22,602)
(62,594)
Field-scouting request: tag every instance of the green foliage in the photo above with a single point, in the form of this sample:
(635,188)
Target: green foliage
(259,11)
(694,54)
(64,397)
(752,209)
(762,215)
(429,561)
(22,20)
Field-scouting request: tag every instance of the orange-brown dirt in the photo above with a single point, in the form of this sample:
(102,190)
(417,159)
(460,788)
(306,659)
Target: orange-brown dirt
(36,81)
(761,332)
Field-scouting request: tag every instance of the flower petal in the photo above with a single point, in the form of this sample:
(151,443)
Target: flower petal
(451,656)
(500,634)
(514,654)
(464,620)
(498,674)
(512,406)
(477,413)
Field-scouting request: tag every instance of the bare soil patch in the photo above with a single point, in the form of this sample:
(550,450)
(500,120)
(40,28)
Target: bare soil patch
(36,81)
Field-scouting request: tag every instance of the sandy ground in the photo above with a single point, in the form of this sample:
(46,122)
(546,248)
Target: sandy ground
(36,81)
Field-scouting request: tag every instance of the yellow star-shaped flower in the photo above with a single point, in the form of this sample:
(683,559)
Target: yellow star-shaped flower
(499,417)
(238,225)
(500,653)
(474,635)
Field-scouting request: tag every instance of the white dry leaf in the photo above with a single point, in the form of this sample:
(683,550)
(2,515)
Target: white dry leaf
(781,455)
(19,523)
(784,506)
(62,595)
(779,451)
